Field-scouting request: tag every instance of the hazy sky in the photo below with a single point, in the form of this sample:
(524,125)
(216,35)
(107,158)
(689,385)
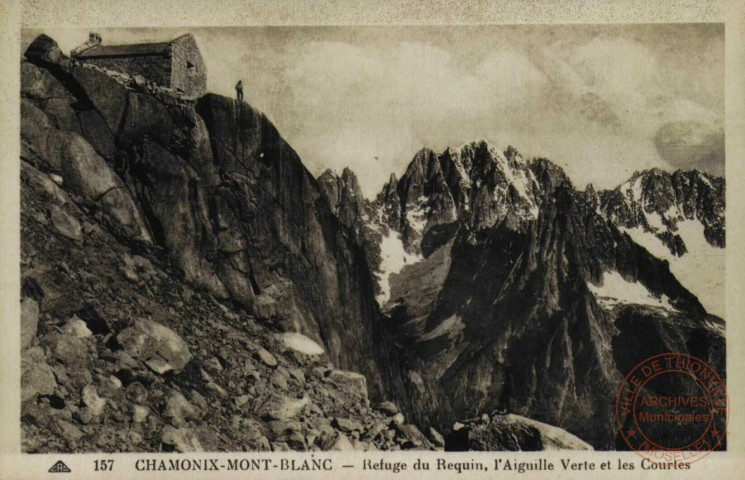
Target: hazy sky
(601,101)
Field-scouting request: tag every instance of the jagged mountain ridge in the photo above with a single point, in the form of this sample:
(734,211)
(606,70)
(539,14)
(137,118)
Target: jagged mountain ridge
(498,256)
(436,192)
(679,217)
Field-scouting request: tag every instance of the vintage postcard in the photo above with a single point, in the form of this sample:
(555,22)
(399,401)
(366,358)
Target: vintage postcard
(318,246)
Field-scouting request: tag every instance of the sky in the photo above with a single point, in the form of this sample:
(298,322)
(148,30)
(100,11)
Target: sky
(602,101)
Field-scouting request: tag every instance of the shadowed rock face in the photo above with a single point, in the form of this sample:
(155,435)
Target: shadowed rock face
(193,237)
(214,183)
(510,305)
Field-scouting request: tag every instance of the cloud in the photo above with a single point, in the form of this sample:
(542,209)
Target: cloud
(692,144)
(387,101)
(602,101)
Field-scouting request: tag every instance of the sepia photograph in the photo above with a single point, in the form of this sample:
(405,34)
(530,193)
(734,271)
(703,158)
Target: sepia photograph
(371,238)
(387,240)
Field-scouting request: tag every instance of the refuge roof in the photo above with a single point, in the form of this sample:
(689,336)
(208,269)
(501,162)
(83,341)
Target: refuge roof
(125,50)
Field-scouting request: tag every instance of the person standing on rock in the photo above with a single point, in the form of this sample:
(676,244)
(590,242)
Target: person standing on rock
(239,90)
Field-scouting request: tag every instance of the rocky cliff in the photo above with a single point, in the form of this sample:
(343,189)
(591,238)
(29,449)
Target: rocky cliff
(169,249)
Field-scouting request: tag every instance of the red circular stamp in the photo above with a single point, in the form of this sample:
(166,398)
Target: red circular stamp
(673,408)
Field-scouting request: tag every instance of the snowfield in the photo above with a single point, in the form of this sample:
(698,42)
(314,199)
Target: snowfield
(393,258)
(617,290)
(701,270)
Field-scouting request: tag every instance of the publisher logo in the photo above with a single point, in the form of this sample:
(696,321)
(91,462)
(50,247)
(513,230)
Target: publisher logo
(672,407)
(60,467)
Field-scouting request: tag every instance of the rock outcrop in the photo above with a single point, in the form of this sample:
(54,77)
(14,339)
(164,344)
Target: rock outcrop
(179,259)
(510,432)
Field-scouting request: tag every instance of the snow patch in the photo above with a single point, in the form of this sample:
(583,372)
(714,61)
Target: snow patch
(672,211)
(520,178)
(701,270)
(393,258)
(633,189)
(655,221)
(717,327)
(617,290)
(416,217)
(704,179)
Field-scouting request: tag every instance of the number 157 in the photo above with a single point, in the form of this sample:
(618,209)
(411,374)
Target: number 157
(103,465)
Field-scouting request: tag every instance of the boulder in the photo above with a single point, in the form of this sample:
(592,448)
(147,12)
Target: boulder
(298,376)
(179,411)
(42,183)
(347,425)
(68,349)
(83,170)
(35,129)
(213,365)
(436,438)
(137,392)
(389,408)
(77,328)
(68,431)
(90,398)
(279,428)
(29,321)
(414,438)
(266,357)
(46,51)
(281,407)
(512,433)
(65,224)
(342,444)
(182,440)
(162,349)
(39,84)
(139,413)
(241,400)
(37,377)
(279,379)
(300,343)
(216,390)
(352,383)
